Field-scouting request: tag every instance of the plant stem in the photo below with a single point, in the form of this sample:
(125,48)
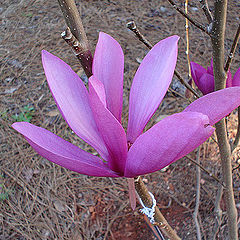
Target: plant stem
(198,190)
(159,218)
(206,10)
(74,22)
(233,48)
(218,33)
(194,22)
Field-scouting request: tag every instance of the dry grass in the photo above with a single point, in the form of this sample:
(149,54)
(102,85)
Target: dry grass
(46,201)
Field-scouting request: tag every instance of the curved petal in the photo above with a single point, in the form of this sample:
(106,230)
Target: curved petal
(206,83)
(216,105)
(108,66)
(95,86)
(236,79)
(197,71)
(72,100)
(150,84)
(112,132)
(229,79)
(167,141)
(61,152)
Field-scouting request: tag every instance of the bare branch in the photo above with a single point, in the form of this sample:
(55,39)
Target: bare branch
(218,34)
(133,27)
(75,35)
(205,170)
(204,6)
(85,57)
(194,22)
(161,222)
(232,51)
(217,212)
(198,188)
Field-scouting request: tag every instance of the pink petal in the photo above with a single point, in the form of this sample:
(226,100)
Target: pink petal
(197,71)
(216,105)
(229,79)
(166,142)
(112,132)
(206,83)
(108,66)
(236,79)
(61,152)
(150,84)
(72,100)
(98,87)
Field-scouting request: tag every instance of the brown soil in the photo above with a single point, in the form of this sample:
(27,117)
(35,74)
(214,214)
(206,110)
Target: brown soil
(45,201)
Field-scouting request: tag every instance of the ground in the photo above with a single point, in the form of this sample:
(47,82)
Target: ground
(40,200)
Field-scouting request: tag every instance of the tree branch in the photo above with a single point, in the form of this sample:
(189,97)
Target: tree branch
(76,34)
(204,6)
(198,188)
(218,33)
(232,51)
(161,222)
(194,22)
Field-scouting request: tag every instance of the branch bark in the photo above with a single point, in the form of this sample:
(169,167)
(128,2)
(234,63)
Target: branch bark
(218,33)
(74,22)
(161,222)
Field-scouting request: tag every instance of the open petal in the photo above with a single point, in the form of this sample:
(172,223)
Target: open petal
(61,152)
(167,141)
(108,66)
(96,86)
(206,83)
(216,105)
(72,100)
(111,130)
(150,84)
(236,79)
(197,71)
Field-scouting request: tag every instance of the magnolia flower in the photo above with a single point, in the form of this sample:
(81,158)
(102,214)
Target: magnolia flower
(95,115)
(204,78)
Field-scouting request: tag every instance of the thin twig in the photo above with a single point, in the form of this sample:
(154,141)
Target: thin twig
(208,14)
(237,138)
(198,188)
(218,34)
(217,212)
(232,51)
(132,26)
(205,170)
(187,40)
(160,221)
(194,22)
(74,22)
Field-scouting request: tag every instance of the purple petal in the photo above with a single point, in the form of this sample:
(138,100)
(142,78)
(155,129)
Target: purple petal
(98,87)
(197,71)
(236,79)
(216,105)
(112,132)
(206,83)
(229,79)
(150,84)
(166,142)
(72,100)
(108,66)
(61,152)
